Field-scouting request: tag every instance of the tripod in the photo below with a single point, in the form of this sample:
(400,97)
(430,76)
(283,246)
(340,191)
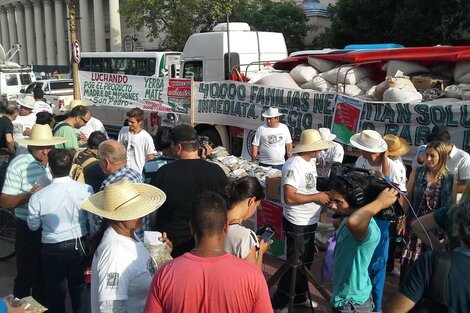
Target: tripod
(294,263)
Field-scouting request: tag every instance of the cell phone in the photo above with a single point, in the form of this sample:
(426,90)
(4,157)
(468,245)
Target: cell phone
(267,235)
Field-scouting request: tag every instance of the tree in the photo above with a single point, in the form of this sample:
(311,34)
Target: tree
(178,19)
(409,22)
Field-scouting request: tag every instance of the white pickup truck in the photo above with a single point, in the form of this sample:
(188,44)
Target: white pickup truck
(57,92)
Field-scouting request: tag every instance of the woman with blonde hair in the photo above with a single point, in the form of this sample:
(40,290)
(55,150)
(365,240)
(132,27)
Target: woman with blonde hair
(243,196)
(429,188)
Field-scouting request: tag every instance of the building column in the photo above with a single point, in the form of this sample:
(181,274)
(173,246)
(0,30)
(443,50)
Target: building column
(49,30)
(12,29)
(39,30)
(61,39)
(114,26)
(4,29)
(21,33)
(84,26)
(28,16)
(100,41)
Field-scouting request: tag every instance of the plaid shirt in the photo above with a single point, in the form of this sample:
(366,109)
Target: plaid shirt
(128,173)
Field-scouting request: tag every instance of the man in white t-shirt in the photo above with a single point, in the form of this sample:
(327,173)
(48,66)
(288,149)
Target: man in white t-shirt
(272,141)
(138,142)
(329,156)
(24,122)
(93,124)
(301,203)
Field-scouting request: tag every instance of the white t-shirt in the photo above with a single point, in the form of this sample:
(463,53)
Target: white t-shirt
(272,143)
(93,124)
(329,156)
(239,240)
(301,175)
(19,126)
(458,163)
(398,173)
(138,146)
(122,269)
(41,106)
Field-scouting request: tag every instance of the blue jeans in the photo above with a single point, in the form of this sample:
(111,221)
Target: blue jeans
(305,251)
(64,263)
(366,307)
(378,264)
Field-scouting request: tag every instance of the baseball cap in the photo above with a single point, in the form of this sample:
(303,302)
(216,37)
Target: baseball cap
(182,133)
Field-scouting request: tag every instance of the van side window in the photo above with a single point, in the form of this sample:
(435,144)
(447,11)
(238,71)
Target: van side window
(25,79)
(193,69)
(12,79)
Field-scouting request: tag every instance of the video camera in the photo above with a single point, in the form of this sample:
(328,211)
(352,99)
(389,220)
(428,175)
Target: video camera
(363,188)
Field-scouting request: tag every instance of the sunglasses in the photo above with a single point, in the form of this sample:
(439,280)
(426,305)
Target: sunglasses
(84,120)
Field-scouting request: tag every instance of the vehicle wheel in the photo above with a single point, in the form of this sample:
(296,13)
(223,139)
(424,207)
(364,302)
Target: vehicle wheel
(7,234)
(213,136)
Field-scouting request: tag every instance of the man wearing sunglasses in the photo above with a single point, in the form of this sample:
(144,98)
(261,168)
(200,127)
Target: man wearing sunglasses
(78,117)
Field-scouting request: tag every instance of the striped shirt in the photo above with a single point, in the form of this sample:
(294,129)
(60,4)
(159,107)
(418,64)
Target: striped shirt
(128,173)
(23,173)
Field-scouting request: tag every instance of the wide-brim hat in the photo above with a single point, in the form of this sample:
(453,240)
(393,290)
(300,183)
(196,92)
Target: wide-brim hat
(74,103)
(27,102)
(397,146)
(41,135)
(326,134)
(125,201)
(311,140)
(369,140)
(272,112)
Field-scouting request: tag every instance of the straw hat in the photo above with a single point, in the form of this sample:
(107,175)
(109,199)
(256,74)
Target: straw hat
(73,103)
(41,135)
(311,140)
(125,201)
(369,140)
(272,112)
(397,146)
(326,134)
(27,102)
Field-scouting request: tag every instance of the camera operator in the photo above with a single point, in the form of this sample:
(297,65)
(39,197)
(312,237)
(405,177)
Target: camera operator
(357,237)
(301,203)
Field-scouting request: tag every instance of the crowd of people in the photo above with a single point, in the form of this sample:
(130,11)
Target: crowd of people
(83,200)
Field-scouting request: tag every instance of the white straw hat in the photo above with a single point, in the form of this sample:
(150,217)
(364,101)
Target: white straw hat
(311,140)
(125,201)
(326,134)
(73,103)
(27,102)
(272,112)
(41,135)
(369,140)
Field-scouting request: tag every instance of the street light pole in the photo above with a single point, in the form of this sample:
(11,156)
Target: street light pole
(72,4)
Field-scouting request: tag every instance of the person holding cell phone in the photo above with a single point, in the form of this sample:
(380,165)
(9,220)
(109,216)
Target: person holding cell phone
(243,197)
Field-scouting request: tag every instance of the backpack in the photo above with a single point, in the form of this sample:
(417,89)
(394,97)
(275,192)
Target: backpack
(434,298)
(76,171)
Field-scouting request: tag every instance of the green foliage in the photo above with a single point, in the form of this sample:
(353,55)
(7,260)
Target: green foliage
(181,18)
(409,22)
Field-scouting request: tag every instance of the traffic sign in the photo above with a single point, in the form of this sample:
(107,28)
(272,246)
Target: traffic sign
(76,53)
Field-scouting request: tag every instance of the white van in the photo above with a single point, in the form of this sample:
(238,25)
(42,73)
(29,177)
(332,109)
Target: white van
(205,55)
(13,78)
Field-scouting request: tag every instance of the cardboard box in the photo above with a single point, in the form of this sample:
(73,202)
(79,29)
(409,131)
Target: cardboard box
(273,188)
(423,82)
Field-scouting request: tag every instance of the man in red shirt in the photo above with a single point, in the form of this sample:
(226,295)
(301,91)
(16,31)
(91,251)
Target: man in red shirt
(207,279)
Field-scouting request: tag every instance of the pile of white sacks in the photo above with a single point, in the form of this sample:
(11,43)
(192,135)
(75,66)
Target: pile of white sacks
(321,75)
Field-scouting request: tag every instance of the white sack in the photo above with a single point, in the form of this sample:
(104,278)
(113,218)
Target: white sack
(345,74)
(406,67)
(318,83)
(322,65)
(365,84)
(462,72)
(303,73)
(350,90)
(396,94)
(280,80)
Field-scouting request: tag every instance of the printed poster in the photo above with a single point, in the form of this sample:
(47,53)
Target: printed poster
(346,118)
